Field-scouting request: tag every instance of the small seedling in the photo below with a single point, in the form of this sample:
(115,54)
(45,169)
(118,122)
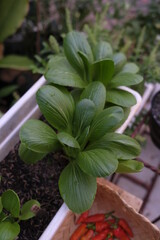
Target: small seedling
(11,213)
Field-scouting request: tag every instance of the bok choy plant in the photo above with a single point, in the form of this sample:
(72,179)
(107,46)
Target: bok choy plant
(85,131)
(82,65)
(11,213)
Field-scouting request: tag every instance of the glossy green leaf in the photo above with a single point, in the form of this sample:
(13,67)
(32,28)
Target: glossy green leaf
(126,114)
(84,114)
(96,92)
(77,188)
(105,122)
(29,156)
(103,70)
(130,67)
(129,166)
(1,206)
(73,43)
(67,140)
(9,231)
(97,162)
(67,94)
(125,79)
(11,203)
(6,91)
(38,136)
(27,211)
(124,147)
(120,97)
(87,66)
(103,50)
(83,138)
(16,62)
(61,72)
(56,106)
(119,61)
(11,17)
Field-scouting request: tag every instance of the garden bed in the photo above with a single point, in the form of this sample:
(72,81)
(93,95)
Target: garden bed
(38,181)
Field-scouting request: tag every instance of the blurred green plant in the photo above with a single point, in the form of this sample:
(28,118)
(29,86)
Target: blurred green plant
(50,48)
(11,17)
(16,62)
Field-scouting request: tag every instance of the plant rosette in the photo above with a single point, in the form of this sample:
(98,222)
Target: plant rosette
(85,132)
(83,65)
(11,213)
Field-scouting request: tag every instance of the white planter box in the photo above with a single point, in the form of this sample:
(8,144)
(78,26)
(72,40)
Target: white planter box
(25,109)
(17,115)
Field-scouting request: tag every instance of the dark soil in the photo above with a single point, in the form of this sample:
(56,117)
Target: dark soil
(156,108)
(38,181)
(155,120)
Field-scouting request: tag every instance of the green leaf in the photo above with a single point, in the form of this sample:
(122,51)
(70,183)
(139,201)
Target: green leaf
(84,114)
(9,231)
(77,188)
(11,203)
(26,210)
(126,114)
(2,216)
(105,121)
(87,66)
(56,106)
(130,68)
(61,72)
(97,162)
(73,43)
(125,79)
(129,166)
(120,97)
(29,156)
(83,138)
(124,147)
(67,140)
(96,92)
(6,91)
(103,70)
(11,17)
(16,62)
(38,136)
(76,93)
(103,50)
(1,206)
(67,94)
(119,61)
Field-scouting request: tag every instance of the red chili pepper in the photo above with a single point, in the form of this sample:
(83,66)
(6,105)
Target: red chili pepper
(125,227)
(97,218)
(111,221)
(82,217)
(98,226)
(120,234)
(88,235)
(102,235)
(79,232)
(109,236)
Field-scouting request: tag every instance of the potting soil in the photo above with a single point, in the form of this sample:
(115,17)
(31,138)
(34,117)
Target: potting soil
(38,181)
